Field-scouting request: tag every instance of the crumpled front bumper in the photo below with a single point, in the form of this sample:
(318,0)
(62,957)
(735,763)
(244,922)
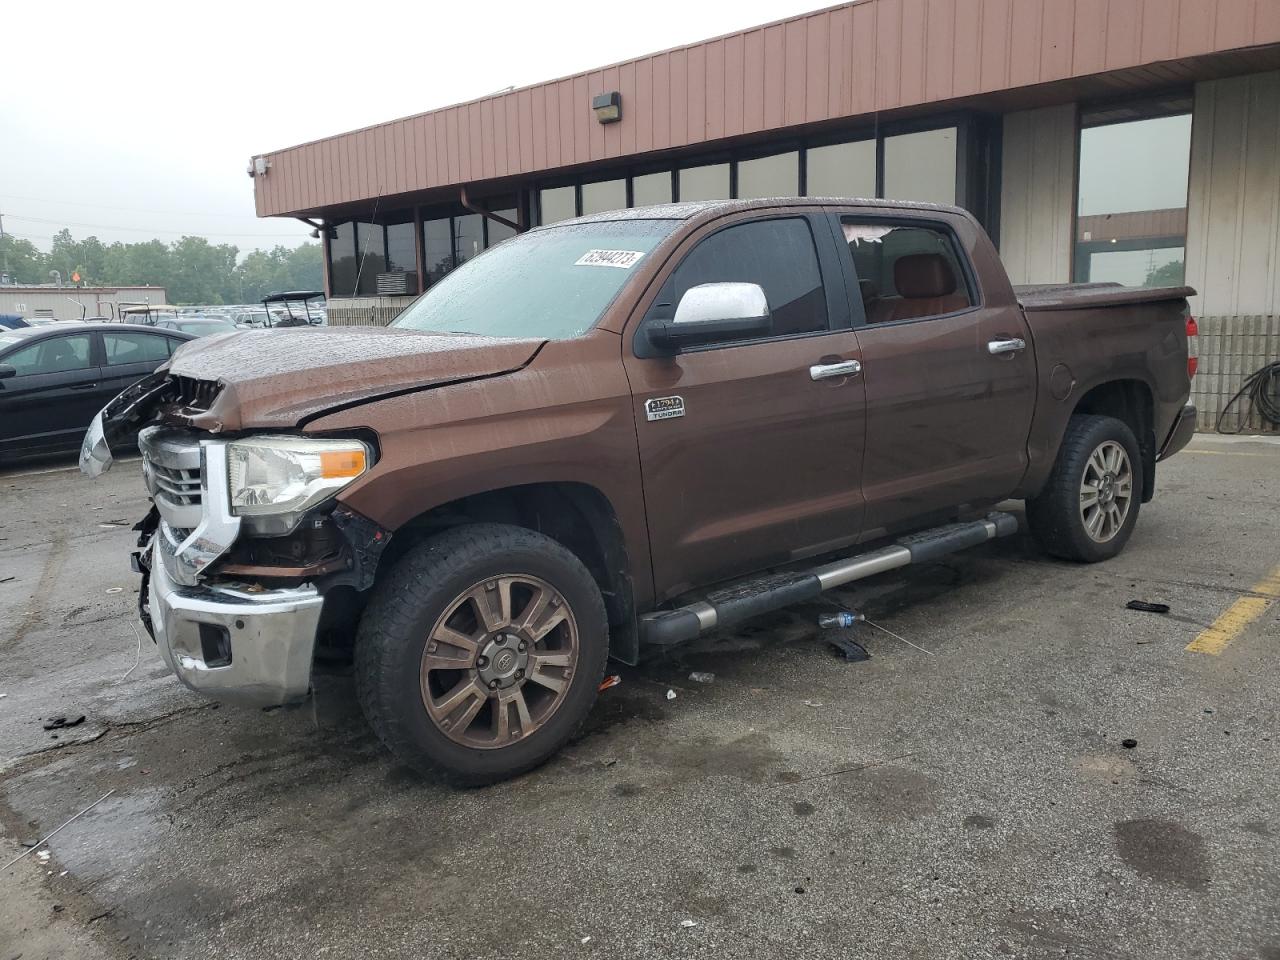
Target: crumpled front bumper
(242,645)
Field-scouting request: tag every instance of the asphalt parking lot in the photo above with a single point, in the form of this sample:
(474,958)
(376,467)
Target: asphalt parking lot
(971,799)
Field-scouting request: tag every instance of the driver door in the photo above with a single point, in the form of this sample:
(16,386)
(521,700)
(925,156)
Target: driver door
(747,460)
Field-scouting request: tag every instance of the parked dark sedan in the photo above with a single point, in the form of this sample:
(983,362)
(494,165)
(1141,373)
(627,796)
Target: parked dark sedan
(55,378)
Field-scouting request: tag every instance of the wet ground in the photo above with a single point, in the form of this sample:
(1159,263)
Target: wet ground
(975,800)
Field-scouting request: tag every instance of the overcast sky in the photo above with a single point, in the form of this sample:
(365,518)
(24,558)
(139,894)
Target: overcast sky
(132,121)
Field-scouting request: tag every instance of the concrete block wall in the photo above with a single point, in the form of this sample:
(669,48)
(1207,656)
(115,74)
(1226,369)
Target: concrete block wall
(1231,348)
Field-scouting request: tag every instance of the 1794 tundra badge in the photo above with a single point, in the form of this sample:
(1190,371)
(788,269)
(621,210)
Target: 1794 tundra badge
(664,408)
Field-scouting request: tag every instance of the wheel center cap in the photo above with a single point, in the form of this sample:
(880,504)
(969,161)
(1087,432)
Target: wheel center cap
(501,661)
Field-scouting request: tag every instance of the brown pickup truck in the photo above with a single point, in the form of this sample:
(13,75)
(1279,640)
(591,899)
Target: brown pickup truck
(615,433)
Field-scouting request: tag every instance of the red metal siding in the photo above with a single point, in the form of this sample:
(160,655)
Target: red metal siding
(841,62)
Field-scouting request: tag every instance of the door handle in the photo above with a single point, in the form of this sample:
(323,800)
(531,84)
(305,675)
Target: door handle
(825,371)
(83,386)
(1006,345)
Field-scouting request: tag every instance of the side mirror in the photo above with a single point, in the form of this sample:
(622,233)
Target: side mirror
(7,370)
(714,312)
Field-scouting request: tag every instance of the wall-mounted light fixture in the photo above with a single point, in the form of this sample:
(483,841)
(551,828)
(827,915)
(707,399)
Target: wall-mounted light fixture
(608,107)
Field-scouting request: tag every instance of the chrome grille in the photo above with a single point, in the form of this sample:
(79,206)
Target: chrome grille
(171,469)
(181,486)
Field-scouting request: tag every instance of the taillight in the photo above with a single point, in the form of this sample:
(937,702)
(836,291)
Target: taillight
(1193,330)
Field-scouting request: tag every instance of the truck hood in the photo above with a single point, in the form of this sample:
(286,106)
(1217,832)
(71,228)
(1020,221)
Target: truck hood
(281,378)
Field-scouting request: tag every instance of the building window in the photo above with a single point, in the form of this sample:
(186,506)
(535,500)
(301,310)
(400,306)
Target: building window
(468,237)
(921,166)
(775,176)
(1131,223)
(841,170)
(557,203)
(402,254)
(604,195)
(705,183)
(650,188)
(437,247)
(342,260)
(371,257)
(496,232)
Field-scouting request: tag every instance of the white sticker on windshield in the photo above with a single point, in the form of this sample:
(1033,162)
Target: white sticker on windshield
(623,259)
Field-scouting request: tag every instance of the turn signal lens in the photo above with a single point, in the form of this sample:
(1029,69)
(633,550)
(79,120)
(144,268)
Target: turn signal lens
(1193,329)
(337,464)
(1193,364)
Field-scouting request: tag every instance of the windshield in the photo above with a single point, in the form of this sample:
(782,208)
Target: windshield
(552,283)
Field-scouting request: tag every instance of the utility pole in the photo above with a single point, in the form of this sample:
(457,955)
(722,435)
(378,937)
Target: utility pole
(4,267)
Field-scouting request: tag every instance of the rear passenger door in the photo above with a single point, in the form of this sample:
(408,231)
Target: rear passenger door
(129,355)
(747,458)
(948,370)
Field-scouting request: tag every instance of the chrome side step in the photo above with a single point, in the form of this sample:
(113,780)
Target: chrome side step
(731,605)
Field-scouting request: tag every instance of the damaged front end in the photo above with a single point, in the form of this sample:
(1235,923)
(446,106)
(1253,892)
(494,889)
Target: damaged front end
(237,590)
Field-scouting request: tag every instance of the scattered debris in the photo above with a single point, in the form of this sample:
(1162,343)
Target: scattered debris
(48,836)
(896,637)
(840,620)
(43,856)
(799,889)
(813,703)
(671,694)
(3,695)
(1129,743)
(585,940)
(138,658)
(1206,709)
(61,723)
(7,579)
(1147,607)
(699,677)
(610,681)
(843,643)
(115,590)
(688,923)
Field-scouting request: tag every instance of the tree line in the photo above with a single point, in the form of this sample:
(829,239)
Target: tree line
(192,270)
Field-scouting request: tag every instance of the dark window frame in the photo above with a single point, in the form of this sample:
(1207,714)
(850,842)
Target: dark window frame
(838,321)
(968,275)
(39,342)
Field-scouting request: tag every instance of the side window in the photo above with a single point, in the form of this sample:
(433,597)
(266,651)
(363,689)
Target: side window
(905,272)
(125,348)
(53,355)
(779,255)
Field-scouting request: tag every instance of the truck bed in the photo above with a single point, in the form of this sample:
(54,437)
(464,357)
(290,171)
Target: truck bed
(1081,296)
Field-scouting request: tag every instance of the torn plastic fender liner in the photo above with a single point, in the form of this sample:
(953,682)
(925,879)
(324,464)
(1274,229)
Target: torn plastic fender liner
(366,539)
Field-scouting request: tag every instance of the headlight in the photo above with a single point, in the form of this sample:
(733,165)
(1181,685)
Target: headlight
(285,476)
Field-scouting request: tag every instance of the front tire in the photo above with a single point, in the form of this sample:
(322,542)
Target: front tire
(1089,505)
(481,653)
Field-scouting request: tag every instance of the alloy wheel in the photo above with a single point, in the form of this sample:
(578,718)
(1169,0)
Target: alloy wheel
(499,661)
(1106,491)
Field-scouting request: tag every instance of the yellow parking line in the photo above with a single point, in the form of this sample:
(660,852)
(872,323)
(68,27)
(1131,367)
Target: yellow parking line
(1236,618)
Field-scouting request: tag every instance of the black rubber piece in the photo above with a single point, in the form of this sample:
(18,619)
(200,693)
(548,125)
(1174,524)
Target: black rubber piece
(409,598)
(1054,514)
(957,537)
(737,609)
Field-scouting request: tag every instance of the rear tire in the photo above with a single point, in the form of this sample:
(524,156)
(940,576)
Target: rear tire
(481,653)
(1089,505)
